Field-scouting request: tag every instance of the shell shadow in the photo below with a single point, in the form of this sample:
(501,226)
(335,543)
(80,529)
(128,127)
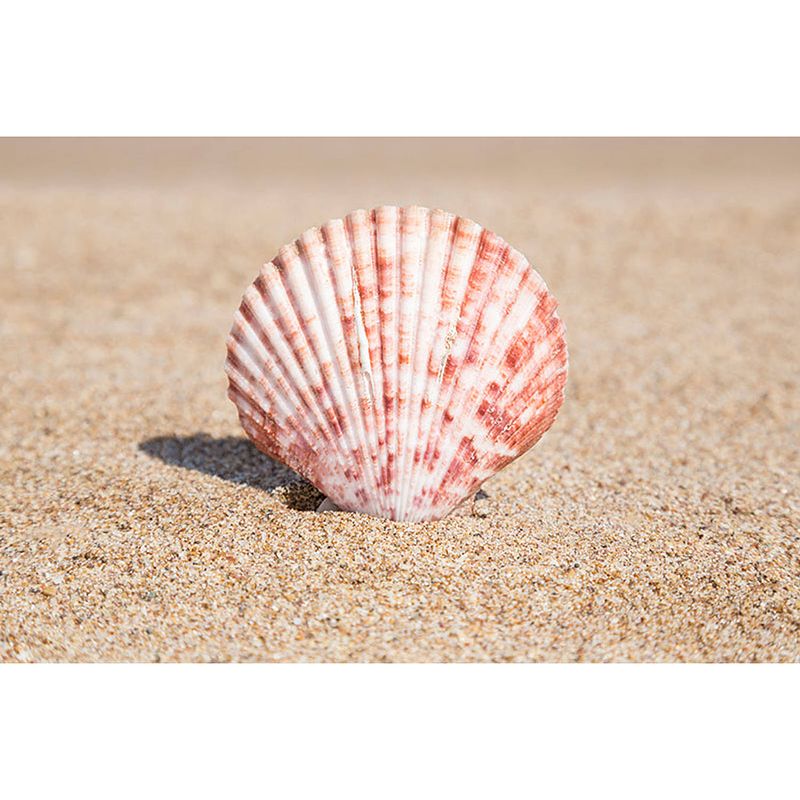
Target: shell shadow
(234,459)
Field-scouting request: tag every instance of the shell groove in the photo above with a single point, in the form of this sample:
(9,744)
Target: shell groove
(397,359)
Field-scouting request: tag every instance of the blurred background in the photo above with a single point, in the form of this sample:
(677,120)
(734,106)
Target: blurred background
(435,166)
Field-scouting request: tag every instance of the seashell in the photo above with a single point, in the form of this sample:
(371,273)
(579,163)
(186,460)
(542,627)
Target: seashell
(397,359)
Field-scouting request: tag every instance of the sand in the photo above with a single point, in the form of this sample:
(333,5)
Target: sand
(657,520)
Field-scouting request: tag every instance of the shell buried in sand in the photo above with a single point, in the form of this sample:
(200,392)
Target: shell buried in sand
(397,359)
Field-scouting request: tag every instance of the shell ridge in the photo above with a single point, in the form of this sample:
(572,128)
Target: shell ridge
(249,358)
(495,264)
(422,237)
(360,230)
(380,406)
(254,388)
(550,389)
(335,384)
(397,272)
(513,429)
(268,356)
(453,449)
(242,383)
(433,388)
(257,430)
(386,231)
(539,381)
(431,267)
(465,251)
(286,358)
(303,309)
(399,318)
(403,277)
(339,265)
(361,333)
(244,380)
(363,359)
(504,336)
(502,418)
(335,330)
(523,283)
(409,219)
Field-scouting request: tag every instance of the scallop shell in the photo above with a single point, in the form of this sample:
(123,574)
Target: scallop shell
(397,359)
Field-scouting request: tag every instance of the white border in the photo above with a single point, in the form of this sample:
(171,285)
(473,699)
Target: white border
(417,68)
(398,731)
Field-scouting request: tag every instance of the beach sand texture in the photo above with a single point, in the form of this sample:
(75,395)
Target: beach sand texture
(657,521)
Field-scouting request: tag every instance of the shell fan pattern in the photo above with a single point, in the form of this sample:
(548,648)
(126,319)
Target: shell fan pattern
(397,359)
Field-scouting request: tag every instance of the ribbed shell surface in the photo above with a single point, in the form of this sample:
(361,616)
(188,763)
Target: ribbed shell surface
(397,359)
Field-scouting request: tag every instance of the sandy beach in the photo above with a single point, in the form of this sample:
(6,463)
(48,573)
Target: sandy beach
(658,520)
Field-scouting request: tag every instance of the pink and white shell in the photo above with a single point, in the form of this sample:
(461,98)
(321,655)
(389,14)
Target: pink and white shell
(397,359)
